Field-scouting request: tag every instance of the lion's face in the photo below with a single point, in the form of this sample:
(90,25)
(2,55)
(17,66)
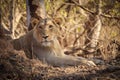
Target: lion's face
(45,34)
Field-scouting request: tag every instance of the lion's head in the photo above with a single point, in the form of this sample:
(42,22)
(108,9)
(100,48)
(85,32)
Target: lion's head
(45,33)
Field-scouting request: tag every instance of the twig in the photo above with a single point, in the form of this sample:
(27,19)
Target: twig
(78,37)
(110,17)
(92,12)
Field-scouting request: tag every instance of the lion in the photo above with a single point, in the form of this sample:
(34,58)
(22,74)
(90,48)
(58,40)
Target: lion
(42,42)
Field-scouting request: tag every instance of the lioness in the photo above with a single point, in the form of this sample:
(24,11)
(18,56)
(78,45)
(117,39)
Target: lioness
(42,42)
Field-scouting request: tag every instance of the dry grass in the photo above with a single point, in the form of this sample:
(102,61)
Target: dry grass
(15,65)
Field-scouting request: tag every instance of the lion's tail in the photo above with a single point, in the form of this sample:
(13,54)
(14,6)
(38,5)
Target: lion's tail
(68,61)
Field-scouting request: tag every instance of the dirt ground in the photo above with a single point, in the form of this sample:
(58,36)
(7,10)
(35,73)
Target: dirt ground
(14,65)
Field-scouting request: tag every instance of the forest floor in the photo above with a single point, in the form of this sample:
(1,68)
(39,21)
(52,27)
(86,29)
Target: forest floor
(14,65)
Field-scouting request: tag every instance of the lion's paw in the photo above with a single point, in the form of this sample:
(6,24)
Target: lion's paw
(91,63)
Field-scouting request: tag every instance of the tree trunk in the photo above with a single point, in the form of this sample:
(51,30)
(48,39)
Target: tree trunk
(35,12)
(2,34)
(0,14)
(96,32)
(42,9)
(28,13)
(12,6)
(94,37)
(1,31)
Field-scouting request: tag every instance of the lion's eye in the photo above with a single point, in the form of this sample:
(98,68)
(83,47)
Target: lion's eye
(50,26)
(40,27)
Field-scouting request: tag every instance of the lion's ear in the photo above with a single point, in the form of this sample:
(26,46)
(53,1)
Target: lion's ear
(34,22)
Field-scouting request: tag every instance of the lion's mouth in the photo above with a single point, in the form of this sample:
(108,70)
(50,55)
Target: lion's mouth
(47,43)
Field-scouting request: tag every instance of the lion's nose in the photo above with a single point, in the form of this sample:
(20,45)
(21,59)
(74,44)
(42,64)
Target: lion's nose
(45,37)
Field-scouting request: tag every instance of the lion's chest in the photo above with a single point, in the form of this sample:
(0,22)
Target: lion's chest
(42,52)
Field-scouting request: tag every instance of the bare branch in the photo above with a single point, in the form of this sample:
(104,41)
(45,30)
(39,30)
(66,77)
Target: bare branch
(92,12)
(78,37)
(110,17)
(103,15)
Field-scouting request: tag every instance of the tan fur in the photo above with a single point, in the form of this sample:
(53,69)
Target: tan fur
(42,42)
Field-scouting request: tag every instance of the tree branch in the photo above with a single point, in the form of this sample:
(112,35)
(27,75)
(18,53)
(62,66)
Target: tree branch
(110,17)
(92,12)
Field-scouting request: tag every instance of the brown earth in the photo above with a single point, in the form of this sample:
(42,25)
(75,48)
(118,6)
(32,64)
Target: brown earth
(14,65)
